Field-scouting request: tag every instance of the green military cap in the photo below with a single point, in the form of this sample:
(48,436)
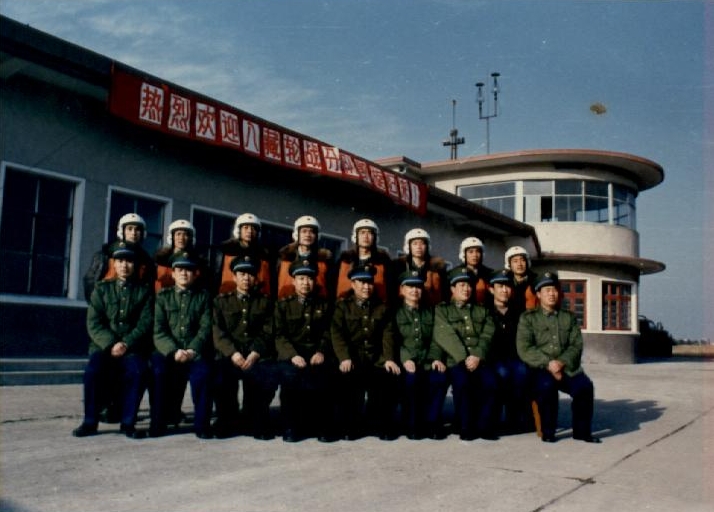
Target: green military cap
(303,267)
(362,273)
(122,251)
(547,278)
(244,264)
(411,278)
(182,259)
(503,276)
(460,274)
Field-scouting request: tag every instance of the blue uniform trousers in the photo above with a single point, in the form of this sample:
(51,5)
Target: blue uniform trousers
(474,399)
(377,412)
(579,387)
(513,399)
(102,373)
(423,395)
(260,383)
(169,384)
(307,397)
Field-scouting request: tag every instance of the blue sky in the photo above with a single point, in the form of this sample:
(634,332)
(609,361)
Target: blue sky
(378,79)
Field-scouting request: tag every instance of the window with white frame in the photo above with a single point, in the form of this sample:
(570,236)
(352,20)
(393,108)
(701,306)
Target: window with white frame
(36,229)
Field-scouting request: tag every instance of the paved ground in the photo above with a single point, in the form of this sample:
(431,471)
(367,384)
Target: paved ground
(656,420)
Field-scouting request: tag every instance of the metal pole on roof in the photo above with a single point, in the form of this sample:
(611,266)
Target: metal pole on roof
(454,140)
(480,99)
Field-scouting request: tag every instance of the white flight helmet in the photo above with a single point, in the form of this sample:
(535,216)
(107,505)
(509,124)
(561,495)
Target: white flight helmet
(306,221)
(414,234)
(180,224)
(130,218)
(466,243)
(516,251)
(246,218)
(365,224)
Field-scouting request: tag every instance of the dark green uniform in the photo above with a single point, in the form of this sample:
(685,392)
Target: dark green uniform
(364,334)
(182,320)
(119,311)
(244,324)
(462,331)
(543,337)
(302,328)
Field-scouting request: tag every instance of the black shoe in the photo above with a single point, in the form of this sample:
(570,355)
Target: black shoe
(131,432)
(289,436)
(438,434)
(223,430)
(262,435)
(157,431)
(588,439)
(202,434)
(489,436)
(85,430)
(468,436)
(548,439)
(388,436)
(328,438)
(352,436)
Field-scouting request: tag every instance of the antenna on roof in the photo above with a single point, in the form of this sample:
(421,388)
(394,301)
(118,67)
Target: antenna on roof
(454,139)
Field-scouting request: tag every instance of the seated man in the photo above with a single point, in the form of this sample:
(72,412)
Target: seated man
(511,372)
(119,320)
(363,342)
(184,348)
(243,337)
(302,341)
(424,382)
(464,331)
(550,342)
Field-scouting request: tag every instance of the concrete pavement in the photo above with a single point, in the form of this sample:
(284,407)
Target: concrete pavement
(656,420)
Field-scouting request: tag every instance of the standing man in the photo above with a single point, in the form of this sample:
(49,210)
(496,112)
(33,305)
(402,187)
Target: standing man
(417,258)
(471,256)
(131,229)
(306,233)
(119,322)
(424,382)
(511,372)
(518,261)
(245,242)
(363,342)
(181,237)
(365,236)
(184,349)
(464,331)
(243,337)
(549,341)
(302,341)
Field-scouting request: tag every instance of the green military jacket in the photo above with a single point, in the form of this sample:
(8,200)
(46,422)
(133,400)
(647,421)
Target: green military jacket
(120,311)
(414,329)
(364,335)
(543,337)
(182,320)
(463,331)
(243,324)
(302,328)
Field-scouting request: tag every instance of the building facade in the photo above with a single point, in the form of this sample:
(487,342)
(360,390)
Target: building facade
(85,139)
(582,205)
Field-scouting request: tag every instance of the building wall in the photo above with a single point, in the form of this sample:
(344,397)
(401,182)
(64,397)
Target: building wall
(587,238)
(48,129)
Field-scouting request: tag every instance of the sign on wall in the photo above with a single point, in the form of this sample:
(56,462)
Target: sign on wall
(149,102)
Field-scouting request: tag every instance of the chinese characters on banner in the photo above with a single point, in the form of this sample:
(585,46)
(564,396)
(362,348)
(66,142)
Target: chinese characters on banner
(158,106)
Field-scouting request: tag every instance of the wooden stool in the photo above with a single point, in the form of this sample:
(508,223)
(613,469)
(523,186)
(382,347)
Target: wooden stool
(536,418)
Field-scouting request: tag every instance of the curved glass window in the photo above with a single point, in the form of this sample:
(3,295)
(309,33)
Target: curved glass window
(557,201)
(500,197)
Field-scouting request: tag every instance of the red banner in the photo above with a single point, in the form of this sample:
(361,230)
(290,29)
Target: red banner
(151,103)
